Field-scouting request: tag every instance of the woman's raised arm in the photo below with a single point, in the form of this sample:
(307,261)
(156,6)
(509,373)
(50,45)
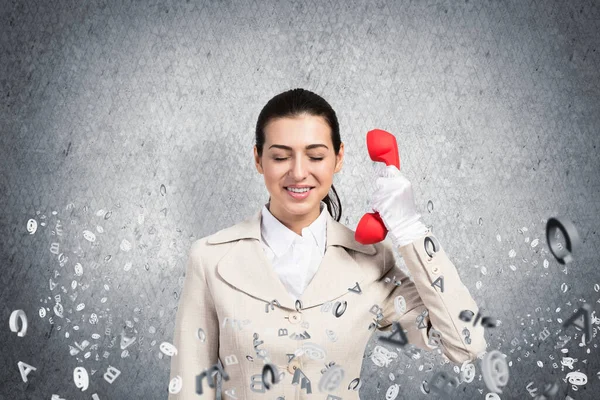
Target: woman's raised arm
(431,302)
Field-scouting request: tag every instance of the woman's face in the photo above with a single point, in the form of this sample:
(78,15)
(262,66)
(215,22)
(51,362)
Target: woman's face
(286,161)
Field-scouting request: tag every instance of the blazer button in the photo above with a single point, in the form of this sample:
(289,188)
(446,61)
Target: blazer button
(295,317)
(292,366)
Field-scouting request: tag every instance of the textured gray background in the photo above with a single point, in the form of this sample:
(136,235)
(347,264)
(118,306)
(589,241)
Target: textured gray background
(495,104)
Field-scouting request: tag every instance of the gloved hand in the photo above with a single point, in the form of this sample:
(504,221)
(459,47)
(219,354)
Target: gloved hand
(394,201)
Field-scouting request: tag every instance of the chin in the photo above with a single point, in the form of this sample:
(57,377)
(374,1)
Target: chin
(298,206)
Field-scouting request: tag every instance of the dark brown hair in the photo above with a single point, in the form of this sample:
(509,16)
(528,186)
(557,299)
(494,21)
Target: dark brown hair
(294,103)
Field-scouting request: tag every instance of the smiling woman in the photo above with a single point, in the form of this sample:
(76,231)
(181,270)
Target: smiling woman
(293,272)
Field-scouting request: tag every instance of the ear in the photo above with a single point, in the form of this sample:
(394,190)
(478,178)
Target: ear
(257,161)
(339,159)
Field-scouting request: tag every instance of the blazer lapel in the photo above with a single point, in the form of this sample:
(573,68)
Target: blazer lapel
(246,267)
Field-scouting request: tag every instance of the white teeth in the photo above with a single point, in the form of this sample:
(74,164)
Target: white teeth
(298,190)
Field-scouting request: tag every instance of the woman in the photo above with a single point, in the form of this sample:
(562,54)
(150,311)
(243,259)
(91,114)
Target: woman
(291,288)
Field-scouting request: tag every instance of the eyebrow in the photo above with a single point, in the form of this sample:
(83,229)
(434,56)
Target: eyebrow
(310,146)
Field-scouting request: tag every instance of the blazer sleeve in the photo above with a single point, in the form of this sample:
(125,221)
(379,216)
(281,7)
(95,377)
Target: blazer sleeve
(196,311)
(427,306)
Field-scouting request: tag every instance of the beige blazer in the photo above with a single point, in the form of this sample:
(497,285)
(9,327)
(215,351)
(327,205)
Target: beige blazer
(229,284)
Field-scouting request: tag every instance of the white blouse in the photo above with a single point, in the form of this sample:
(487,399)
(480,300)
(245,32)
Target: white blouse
(294,258)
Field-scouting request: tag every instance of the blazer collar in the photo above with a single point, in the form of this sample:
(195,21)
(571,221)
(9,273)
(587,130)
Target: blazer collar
(246,266)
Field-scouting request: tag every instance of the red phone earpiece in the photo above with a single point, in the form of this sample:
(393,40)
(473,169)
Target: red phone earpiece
(382,147)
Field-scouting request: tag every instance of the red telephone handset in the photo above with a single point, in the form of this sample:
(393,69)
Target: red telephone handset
(382,147)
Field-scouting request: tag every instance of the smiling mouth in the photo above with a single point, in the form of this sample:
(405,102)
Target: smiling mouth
(299,195)
(303,190)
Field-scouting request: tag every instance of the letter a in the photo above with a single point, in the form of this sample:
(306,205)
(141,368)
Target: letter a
(396,330)
(25,369)
(439,282)
(583,312)
(356,289)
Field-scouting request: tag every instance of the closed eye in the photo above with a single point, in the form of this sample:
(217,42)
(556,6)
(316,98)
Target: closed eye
(312,158)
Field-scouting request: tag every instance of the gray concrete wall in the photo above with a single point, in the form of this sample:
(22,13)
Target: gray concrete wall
(495,104)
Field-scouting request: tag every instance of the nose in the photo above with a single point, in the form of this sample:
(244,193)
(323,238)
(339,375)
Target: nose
(299,169)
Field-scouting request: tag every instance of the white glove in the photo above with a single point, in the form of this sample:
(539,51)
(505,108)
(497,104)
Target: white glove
(394,201)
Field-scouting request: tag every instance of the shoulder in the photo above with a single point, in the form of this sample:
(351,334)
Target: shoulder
(385,258)
(209,249)
(376,259)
